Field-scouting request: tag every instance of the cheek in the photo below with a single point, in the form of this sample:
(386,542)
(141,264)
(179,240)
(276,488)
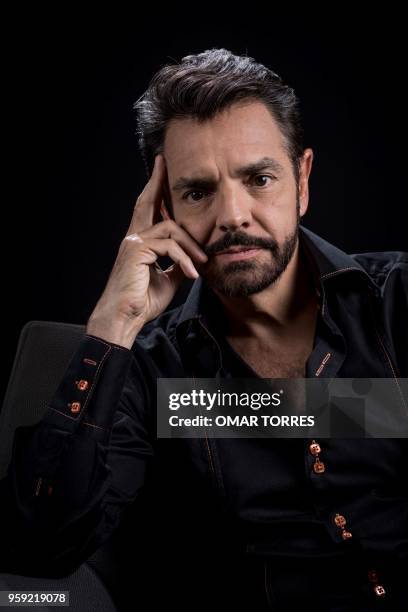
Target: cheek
(277,220)
(199,226)
(196,227)
(278,206)
(285,196)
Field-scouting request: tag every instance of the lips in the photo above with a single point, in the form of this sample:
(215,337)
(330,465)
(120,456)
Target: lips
(237,250)
(238,254)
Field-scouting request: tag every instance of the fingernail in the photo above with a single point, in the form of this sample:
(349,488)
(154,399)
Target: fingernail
(194,271)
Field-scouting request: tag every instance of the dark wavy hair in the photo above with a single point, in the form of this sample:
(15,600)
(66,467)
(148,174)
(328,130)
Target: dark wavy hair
(201,85)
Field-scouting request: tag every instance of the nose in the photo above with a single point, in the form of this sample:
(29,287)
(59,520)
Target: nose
(233,209)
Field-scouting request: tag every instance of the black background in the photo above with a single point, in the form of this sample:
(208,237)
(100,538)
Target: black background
(72,155)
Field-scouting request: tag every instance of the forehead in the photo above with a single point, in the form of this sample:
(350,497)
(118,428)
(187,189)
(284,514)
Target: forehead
(241,133)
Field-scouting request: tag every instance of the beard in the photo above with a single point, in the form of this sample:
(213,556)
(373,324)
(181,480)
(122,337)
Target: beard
(248,276)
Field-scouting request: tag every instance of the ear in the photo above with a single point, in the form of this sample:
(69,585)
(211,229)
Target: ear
(305,168)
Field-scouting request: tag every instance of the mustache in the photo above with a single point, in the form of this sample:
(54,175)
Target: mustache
(231,239)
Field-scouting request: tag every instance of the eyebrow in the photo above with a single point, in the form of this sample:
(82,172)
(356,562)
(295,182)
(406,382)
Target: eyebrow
(207,182)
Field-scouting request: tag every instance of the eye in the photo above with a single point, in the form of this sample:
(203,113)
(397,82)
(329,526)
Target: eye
(191,194)
(257,178)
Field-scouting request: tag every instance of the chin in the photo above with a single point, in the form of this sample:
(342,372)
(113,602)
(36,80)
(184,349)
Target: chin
(239,280)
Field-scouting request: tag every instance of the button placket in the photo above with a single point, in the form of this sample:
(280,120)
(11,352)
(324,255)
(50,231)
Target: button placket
(82,384)
(75,407)
(340,522)
(315,450)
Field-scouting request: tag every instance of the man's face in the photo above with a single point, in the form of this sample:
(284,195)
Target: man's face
(232,185)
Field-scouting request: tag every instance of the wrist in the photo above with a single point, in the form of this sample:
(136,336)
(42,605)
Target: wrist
(120,332)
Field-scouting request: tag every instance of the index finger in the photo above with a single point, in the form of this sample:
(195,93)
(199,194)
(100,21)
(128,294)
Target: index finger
(147,208)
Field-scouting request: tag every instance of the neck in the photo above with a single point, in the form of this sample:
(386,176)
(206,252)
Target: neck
(279,309)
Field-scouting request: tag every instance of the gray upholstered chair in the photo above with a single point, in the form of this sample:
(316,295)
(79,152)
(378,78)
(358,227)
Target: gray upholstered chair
(43,353)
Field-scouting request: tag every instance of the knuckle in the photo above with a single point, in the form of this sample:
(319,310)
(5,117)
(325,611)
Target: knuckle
(167,225)
(174,245)
(171,223)
(132,238)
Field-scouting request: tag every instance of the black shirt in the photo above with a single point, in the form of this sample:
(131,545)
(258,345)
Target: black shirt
(94,457)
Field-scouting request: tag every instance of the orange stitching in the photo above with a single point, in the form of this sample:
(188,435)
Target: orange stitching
(387,357)
(93,425)
(323,363)
(112,345)
(100,340)
(64,414)
(96,374)
(90,388)
(206,440)
(328,274)
(209,451)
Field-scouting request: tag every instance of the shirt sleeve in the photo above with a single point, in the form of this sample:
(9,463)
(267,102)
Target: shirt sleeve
(72,474)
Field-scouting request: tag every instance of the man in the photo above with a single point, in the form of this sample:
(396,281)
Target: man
(270,524)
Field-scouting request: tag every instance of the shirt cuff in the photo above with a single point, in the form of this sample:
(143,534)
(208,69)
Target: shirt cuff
(91,387)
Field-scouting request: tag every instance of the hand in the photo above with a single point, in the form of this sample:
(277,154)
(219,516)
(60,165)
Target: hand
(138,290)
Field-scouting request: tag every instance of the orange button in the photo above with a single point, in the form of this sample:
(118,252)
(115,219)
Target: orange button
(346,535)
(75,407)
(314,448)
(318,467)
(379,590)
(82,385)
(340,520)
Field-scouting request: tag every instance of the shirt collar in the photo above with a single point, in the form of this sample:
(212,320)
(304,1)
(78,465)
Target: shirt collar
(329,261)
(325,260)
